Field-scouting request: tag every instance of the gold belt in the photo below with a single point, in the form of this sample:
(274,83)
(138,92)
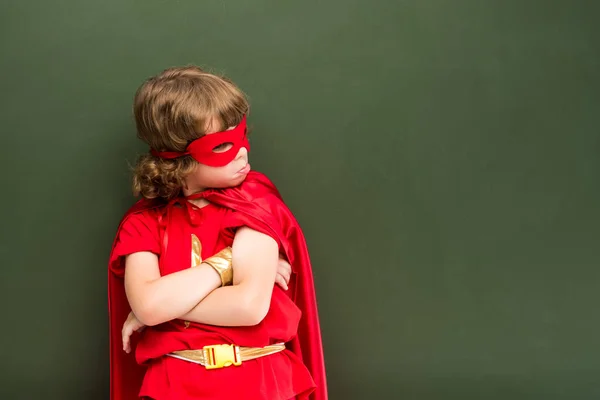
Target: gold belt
(225,355)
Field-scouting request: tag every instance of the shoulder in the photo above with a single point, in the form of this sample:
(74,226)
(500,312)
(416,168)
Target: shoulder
(258,186)
(262,192)
(256,193)
(259,180)
(139,229)
(255,203)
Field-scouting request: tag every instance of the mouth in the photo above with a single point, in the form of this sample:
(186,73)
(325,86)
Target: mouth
(244,170)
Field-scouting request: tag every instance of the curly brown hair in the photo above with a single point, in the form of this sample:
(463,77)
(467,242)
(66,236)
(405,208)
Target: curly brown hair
(171,110)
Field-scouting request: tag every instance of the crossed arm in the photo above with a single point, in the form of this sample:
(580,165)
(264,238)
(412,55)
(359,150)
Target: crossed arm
(194,294)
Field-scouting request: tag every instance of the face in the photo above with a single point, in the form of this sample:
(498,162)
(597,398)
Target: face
(206,176)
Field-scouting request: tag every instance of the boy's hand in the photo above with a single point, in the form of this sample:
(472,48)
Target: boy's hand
(284,272)
(132,324)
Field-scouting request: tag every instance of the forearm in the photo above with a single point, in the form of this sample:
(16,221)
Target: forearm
(170,296)
(230,306)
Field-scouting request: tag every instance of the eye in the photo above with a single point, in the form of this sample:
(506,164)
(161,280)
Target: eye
(223,147)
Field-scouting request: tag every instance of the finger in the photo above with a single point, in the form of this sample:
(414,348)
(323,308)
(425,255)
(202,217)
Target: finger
(281,282)
(126,335)
(125,339)
(287,276)
(284,265)
(285,270)
(127,345)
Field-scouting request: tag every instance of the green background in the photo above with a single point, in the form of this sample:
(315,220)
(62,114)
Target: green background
(441,156)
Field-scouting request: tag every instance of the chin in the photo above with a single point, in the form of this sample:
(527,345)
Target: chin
(238,180)
(227,183)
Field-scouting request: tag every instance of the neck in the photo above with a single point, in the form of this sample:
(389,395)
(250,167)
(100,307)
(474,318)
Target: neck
(198,202)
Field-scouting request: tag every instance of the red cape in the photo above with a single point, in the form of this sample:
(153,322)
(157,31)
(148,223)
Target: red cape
(258,199)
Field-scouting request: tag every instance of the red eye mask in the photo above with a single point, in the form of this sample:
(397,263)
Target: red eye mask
(205,149)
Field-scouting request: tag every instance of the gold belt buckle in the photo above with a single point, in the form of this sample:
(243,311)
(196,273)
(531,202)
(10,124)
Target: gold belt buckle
(221,355)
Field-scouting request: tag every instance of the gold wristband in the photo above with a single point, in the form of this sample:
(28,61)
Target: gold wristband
(221,262)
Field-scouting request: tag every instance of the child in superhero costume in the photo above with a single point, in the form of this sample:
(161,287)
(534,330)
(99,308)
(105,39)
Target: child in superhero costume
(195,261)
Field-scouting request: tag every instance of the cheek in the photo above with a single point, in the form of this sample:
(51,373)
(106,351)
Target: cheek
(204,172)
(210,174)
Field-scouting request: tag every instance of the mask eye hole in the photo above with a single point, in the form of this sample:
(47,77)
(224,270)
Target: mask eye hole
(223,147)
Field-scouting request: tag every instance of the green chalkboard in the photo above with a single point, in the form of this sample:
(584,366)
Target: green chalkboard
(442,158)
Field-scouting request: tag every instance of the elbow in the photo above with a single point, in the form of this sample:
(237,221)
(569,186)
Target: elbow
(255,310)
(147,314)
(148,319)
(149,308)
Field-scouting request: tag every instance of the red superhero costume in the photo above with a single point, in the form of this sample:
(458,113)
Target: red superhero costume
(292,316)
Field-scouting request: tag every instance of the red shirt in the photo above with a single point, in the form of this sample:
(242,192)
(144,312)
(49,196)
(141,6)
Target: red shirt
(280,376)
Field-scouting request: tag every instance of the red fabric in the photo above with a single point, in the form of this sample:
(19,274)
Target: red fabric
(257,204)
(276,377)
